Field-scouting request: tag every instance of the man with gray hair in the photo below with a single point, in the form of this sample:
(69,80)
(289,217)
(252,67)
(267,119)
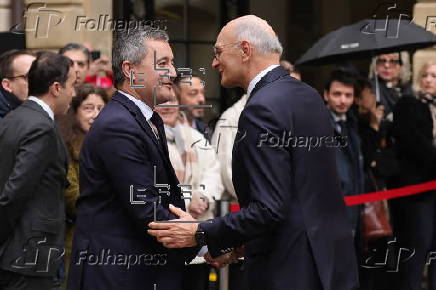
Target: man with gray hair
(292,224)
(126,177)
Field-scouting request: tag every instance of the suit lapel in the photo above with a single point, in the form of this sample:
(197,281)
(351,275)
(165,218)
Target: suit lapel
(139,117)
(270,77)
(129,105)
(60,142)
(36,107)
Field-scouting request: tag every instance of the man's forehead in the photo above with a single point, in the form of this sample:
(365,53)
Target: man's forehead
(22,62)
(194,82)
(75,54)
(389,55)
(225,36)
(341,85)
(161,47)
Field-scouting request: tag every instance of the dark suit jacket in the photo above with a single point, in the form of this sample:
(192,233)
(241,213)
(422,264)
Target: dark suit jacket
(349,161)
(33,172)
(292,219)
(117,196)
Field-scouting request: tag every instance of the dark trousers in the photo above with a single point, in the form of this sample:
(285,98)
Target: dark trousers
(13,281)
(414,221)
(196,277)
(377,261)
(236,277)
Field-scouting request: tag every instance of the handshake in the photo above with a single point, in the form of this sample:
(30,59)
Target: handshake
(229,258)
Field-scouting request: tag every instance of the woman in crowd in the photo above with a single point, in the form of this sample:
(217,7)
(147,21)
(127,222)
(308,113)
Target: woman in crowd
(197,168)
(393,79)
(83,110)
(414,217)
(376,168)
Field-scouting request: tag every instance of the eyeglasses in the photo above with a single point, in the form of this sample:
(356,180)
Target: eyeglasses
(16,77)
(218,50)
(382,61)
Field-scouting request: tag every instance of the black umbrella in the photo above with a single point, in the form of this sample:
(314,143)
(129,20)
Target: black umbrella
(367,38)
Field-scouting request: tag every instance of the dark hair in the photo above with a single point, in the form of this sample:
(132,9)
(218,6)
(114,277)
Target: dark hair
(82,93)
(185,77)
(345,77)
(68,124)
(76,46)
(7,59)
(363,83)
(48,68)
(130,46)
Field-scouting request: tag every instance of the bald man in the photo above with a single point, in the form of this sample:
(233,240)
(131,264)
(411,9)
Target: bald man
(292,222)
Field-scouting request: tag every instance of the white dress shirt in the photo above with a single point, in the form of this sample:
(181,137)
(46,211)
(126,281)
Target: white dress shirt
(146,111)
(43,105)
(259,76)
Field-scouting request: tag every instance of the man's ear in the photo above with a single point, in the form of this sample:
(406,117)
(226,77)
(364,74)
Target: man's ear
(326,95)
(6,84)
(246,50)
(127,69)
(55,89)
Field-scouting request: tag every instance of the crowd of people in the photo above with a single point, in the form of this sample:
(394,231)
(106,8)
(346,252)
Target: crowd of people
(91,162)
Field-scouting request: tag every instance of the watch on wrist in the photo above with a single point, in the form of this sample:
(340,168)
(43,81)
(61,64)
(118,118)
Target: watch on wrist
(200,236)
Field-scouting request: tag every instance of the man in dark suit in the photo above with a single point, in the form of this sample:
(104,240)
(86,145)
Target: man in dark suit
(126,177)
(33,173)
(292,219)
(14,67)
(339,93)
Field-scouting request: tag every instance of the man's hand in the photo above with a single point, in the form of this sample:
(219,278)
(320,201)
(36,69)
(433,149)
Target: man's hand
(175,235)
(198,205)
(101,65)
(224,260)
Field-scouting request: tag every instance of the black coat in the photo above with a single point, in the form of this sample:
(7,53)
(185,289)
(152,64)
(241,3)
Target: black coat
(413,132)
(33,171)
(117,162)
(8,102)
(292,218)
(390,96)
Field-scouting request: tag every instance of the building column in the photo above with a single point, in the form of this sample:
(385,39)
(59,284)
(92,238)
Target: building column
(54,23)
(5,15)
(424,13)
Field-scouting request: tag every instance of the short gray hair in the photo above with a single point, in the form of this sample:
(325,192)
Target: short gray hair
(130,46)
(262,40)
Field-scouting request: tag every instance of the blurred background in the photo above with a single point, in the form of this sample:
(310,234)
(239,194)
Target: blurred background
(194,24)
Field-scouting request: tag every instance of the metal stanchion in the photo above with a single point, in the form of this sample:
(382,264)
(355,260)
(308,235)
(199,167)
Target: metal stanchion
(224,272)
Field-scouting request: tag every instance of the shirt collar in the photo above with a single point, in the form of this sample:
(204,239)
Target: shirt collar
(338,118)
(146,111)
(43,105)
(259,76)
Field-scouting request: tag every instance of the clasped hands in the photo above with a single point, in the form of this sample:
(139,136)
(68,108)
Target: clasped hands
(181,234)
(229,258)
